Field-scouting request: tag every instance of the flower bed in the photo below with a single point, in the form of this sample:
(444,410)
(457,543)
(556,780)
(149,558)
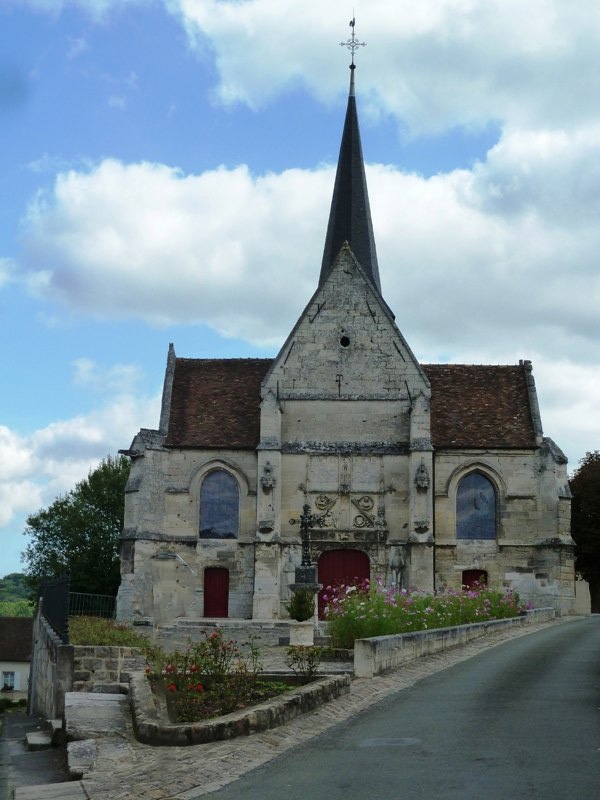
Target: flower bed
(215,677)
(153,728)
(367,609)
(211,678)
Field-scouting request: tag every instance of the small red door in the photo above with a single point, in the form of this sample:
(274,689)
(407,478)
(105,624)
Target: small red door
(474,577)
(216,592)
(341,566)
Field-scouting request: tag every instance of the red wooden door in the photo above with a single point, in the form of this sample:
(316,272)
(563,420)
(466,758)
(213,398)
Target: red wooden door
(216,592)
(341,566)
(474,577)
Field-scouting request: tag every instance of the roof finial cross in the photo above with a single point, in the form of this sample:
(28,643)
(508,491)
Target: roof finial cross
(352,43)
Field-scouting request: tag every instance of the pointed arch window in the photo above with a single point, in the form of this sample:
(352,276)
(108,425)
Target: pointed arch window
(476,508)
(219,506)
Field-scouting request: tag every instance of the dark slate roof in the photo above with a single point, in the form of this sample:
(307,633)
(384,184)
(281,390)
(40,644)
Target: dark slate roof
(350,214)
(15,638)
(475,406)
(215,403)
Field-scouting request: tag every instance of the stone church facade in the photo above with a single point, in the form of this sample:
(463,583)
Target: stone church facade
(418,475)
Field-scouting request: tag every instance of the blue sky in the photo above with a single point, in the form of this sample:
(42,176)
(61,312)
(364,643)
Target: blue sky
(167,167)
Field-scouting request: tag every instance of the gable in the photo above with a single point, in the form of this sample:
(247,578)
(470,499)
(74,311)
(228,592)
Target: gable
(345,345)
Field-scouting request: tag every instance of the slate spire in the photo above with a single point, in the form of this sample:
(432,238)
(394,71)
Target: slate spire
(350,215)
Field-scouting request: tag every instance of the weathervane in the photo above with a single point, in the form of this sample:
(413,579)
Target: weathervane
(352,43)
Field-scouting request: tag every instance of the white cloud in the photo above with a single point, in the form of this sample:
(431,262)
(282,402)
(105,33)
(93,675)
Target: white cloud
(116,379)
(38,467)
(433,65)
(7,270)
(513,242)
(77,46)
(97,9)
(145,241)
(570,397)
(117,101)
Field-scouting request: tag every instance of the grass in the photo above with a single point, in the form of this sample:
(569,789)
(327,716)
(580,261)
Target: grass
(97,631)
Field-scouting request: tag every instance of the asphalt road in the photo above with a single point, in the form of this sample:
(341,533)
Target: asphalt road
(519,721)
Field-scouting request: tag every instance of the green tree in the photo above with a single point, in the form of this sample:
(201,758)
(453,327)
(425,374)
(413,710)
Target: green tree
(585,523)
(79,532)
(17,608)
(14,586)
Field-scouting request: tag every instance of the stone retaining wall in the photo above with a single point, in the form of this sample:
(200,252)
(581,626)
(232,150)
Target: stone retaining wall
(381,653)
(94,666)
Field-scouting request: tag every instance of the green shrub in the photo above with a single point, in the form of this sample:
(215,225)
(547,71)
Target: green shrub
(304,660)
(301,607)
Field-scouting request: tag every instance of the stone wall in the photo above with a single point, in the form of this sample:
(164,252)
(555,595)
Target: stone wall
(95,668)
(380,653)
(51,673)
(57,669)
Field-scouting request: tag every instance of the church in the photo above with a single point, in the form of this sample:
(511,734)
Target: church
(420,476)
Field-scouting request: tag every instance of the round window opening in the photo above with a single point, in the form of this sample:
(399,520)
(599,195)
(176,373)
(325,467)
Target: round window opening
(344,341)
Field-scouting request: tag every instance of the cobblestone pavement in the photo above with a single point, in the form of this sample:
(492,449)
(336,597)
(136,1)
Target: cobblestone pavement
(128,770)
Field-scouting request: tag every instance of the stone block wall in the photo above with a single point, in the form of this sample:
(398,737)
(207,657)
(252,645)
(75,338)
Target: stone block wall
(97,666)
(377,654)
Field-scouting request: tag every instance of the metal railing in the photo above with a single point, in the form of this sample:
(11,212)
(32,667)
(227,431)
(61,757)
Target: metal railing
(58,604)
(91,605)
(54,599)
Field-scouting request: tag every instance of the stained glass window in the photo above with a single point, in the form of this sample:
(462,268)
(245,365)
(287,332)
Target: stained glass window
(475,508)
(219,506)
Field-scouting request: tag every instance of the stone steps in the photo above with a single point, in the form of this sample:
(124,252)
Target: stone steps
(89,716)
(71,790)
(38,740)
(268,633)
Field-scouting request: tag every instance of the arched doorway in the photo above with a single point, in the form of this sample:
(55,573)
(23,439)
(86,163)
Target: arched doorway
(341,566)
(216,592)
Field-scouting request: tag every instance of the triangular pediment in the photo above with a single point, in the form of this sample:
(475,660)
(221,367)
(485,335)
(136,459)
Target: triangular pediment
(345,344)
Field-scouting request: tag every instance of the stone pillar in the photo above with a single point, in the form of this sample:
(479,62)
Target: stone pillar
(266,601)
(420,488)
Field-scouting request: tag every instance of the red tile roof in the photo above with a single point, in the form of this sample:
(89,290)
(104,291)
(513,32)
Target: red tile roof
(15,638)
(215,404)
(475,406)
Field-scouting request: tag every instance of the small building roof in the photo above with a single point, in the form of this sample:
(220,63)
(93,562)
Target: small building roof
(16,635)
(215,404)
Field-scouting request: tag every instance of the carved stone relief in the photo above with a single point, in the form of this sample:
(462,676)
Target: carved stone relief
(267,479)
(422,477)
